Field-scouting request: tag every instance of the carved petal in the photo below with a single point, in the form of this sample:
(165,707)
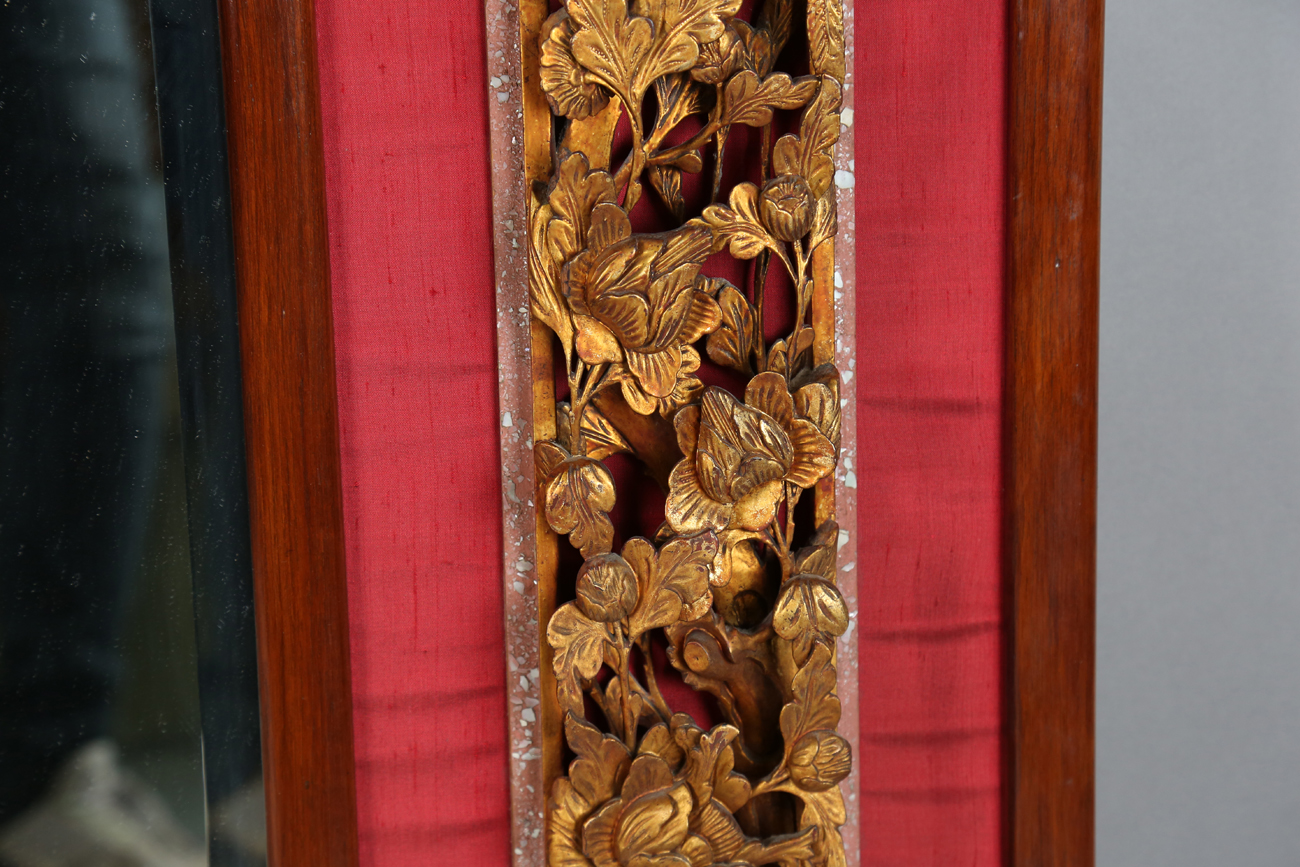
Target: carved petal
(655,823)
(814,456)
(609,225)
(595,342)
(722,831)
(636,397)
(648,774)
(666,859)
(757,509)
(658,741)
(656,372)
(574,192)
(688,246)
(566,84)
(689,509)
(704,318)
(697,851)
(598,835)
(687,423)
(626,313)
(769,392)
(733,344)
(755,471)
(817,403)
(672,299)
(730,430)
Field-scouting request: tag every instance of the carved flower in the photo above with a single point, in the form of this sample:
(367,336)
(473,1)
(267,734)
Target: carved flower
(819,761)
(721,57)
(786,206)
(606,588)
(634,299)
(569,88)
(738,457)
(648,824)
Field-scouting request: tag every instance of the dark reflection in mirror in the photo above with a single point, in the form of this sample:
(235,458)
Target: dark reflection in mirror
(128,728)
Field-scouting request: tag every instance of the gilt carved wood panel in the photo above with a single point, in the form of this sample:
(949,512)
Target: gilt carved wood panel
(673,196)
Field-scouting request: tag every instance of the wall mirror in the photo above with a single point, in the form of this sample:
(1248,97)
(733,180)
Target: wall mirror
(129,724)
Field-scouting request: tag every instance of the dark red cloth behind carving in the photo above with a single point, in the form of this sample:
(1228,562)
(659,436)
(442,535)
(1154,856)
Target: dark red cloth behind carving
(405,101)
(929,157)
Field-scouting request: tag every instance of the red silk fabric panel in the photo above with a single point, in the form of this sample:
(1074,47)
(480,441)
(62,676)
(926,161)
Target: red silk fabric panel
(930,145)
(404,96)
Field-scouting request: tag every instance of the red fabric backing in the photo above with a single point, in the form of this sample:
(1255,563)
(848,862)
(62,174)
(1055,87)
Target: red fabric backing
(929,163)
(403,91)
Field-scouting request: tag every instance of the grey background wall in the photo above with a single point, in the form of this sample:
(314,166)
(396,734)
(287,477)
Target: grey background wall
(1198,688)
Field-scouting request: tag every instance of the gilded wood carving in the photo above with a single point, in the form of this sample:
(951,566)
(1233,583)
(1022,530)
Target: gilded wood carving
(736,588)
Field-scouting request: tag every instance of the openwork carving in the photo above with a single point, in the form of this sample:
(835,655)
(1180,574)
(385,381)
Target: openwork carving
(736,588)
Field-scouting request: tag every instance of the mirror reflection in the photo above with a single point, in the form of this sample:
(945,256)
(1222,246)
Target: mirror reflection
(128,728)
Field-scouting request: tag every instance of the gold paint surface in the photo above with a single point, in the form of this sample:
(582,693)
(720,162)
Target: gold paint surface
(742,601)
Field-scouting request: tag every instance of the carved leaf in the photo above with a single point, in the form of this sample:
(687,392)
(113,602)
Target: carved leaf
(611,44)
(776,18)
(820,556)
(750,101)
(825,812)
(810,610)
(575,191)
(735,343)
(677,97)
(579,644)
(674,577)
(825,224)
(578,499)
(547,302)
(814,705)
(739,225)
(826,37)
(680,27)
(667,182)
(810,153)
(599,435)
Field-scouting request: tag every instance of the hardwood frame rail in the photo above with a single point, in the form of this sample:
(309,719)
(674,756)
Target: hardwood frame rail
(277,177)
(1050,426)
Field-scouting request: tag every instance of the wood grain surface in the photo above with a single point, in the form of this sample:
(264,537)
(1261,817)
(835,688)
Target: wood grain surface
(1054,176)
(291,429)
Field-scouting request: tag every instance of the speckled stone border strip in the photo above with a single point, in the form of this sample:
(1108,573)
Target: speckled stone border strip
(509,209)
(846,479)
(509,198)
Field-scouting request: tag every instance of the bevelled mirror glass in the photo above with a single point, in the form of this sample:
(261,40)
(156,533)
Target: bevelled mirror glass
(128,679)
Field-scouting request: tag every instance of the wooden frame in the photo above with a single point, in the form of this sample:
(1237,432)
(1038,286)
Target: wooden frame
(1050,426)
(277,178)
(1053,148)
